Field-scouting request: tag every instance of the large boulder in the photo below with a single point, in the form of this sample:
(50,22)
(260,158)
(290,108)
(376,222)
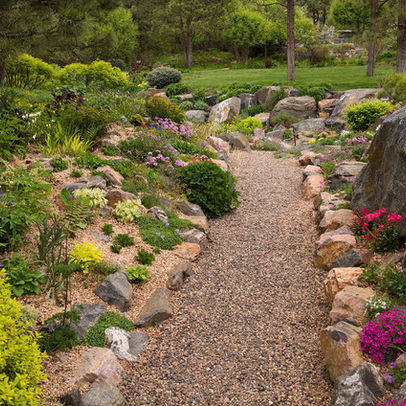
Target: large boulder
(327,105)
(248,100)
(302,107)
(240,141)
(313,185)
(344,172)
(196,115)
(359,387)
(310,125)
(89,314)
(340,345)
(382,182)
(337,119)
(349,303)
(264,119)
(338,278)
(334,219)
(264,93)
(225,111)
(103,393)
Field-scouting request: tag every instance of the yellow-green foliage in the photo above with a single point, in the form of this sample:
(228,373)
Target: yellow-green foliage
(27,72)
(20,357)
(162,108)
(394,86)
(97,73)
(86,254)
(248,125)
(96,196)
(128,210)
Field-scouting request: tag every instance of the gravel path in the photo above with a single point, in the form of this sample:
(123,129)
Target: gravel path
(246,330)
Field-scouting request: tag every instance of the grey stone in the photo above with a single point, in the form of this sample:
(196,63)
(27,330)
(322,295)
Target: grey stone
(225,111)
(265,92)
(294,93)
(89,314)
(177,274)
(350,259)
(264,119)
(400,393)
(193,235)
(115,290)
(248,100)
(277,132)
(103,393)
(95,182)
(188,208)
(309,126)
(100,237)
(353,96)
(72,398)
(157,213)
(344,172)
(382,182)
(211,100)
(302,107)
(137,343)
(358,387)
(185,97)
(156,309)
(117,340)
(240,141)
(196,115)
(71,187)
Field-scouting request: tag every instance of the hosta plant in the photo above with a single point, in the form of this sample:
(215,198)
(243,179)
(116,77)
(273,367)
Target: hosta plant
(96,196)
(128,210)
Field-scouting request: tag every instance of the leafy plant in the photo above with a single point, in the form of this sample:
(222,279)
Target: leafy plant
(139,273)
(23,280)
(59,164)
(159,107)
(75,173)
(394,86)
(128,210)
(89,161)
(362,115)
(177,88)
(12,139)
(144,257)
(283,119)
(136,185)
(105,268)
(248,125)
(59,339)
(163,76)
(274,97)
(107,229)
(124,240)
(96,336)
(86,255)
(210,187)
(20,372)
(186,105)
(115,248)
(150,200)
(328,168)
(110,150)
(96,196)
(375,305)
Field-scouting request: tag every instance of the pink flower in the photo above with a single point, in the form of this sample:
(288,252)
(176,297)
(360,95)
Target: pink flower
(394,218)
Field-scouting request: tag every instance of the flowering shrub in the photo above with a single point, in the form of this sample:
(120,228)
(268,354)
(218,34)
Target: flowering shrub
(96,197)
(196,158)
(128,210)
(378,228)
(375,305)
(85,254)
(158,107)
(394,403)
(384,337)
(184,131)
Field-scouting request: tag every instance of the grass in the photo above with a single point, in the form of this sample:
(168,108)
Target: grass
(340,77)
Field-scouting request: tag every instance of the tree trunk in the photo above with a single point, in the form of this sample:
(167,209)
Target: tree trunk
(401,54)
(246,53)
(291,40)
(188,45)
(372,38)
(2,71)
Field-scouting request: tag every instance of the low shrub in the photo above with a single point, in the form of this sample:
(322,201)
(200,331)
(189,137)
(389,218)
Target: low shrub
(189,148)
(163,76)
(210,187)
(253,111)
(96,196)
(115,248)
(375,305)
(96,336)
(266,146)
(362,115)
(76,173)
(138,273)
(144,257)
(105,268)
(162,108)
(149,201)
(200,105)
(283,119)
(20,370)
(107,229)
(59,164)
(58,340)
(394,86)
(328,168)
(177,88)
(136,185)
(186,105)
(27,72)
(248,125)
(86,255)
(128,210)
(274,97)
(110,150)
(124,240)
(319,53)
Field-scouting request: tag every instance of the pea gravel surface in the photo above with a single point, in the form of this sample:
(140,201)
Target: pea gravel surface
(247,322)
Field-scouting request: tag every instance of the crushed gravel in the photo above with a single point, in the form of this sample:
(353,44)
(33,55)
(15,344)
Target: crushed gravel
(247,322)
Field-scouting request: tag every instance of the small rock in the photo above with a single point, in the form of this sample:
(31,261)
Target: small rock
(340,345)
(188,250)
(93,182)
(301,107)
(72,398)
(327,105)
(338,278)
(194,235)
(112,175)
(196,115)
(103,393)
(259,133)
(312,170)
(307,158)
(89,314)
(240,142)
(350,303)
(188,208)
(264,118)
(344,172)
(211,99)
(100,237)
(313,185)
(248,100)
(115,290)
(71,187)
(106,212)
(358,387)
(311,125)
(199,222)
(99,363)
(157,213)
(351,258)
(322,198)
(118,341)
(117,195)
(334,219)
(218,143)
(401,392)
(177,274)
(156,309)
(137,343)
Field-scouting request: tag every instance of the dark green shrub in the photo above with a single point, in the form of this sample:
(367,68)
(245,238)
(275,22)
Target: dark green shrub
(283,119)
(254,110)
(177,88)
(96,335)
(274,97)
(110,150)
(163,76)
(59,339)
(159,107)
(118,63)
(89,161)
(115,248)
(149,201)
(144,257)
(186,105)
(210,187)
(59,164)
(394,86)
(76,173)
(27,72)
(124,240)
(105,268)
(185,147)
(362,115)
(12,138)
(200,105)
(136,185)
(107,229)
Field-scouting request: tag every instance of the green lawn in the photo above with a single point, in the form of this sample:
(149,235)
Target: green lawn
(340,77)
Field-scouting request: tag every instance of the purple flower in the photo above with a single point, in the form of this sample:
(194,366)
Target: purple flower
(388,378)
